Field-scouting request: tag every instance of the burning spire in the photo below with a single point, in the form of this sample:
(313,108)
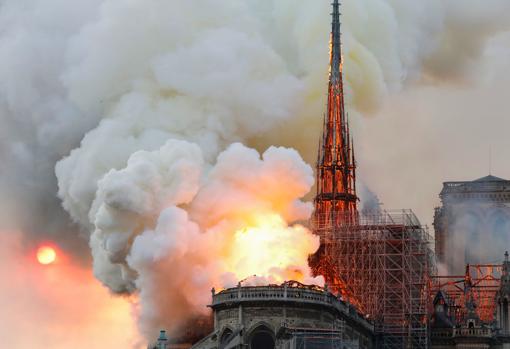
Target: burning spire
(336,200)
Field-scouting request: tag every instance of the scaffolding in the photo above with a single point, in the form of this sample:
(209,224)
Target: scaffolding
(381,264)
(480,284)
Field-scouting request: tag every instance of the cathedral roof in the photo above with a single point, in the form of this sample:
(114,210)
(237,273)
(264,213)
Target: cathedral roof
(485,185)
(490,178)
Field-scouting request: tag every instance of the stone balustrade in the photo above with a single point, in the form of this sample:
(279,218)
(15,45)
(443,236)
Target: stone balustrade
(287,293)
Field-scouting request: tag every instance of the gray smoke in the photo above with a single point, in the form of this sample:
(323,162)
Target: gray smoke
(370,203)
(479,233)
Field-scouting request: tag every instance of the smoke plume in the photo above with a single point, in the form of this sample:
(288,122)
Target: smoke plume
(134,106)
(172,227)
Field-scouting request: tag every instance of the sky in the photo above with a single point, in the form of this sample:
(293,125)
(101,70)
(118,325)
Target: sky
(427,135)
(59,305)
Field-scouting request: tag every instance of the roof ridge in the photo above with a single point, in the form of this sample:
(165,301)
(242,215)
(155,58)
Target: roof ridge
(490,178)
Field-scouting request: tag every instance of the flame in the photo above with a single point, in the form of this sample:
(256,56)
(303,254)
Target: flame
(272,250)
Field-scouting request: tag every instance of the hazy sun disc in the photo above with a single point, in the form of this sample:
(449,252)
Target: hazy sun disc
(46,255)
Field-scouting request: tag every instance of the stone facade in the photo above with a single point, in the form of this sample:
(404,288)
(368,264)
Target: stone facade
(285,317)
(473,222)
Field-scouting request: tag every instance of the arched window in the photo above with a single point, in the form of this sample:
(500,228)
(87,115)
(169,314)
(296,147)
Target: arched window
(262,338)
(226,337)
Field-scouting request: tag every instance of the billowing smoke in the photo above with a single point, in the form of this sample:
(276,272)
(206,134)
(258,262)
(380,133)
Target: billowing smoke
(172,226)
(141,101)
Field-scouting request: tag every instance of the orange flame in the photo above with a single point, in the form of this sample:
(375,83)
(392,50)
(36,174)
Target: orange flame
(271,249)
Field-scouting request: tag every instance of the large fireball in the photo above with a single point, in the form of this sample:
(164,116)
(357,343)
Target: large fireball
(46,255)
(273,250)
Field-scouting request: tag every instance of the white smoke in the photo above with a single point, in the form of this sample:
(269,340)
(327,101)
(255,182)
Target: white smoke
(164,87)
(172,227)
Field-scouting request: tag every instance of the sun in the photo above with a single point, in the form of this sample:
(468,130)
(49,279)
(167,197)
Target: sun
(46,255)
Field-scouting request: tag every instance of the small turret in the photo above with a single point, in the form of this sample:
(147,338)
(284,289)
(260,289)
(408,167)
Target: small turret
(162,340)
(506,266)
(503,297)
(505,276)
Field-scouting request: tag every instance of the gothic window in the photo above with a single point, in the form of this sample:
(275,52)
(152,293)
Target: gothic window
(262,338)
(225,337)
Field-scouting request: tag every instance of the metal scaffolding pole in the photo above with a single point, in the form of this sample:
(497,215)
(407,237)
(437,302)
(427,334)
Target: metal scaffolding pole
(381,264)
